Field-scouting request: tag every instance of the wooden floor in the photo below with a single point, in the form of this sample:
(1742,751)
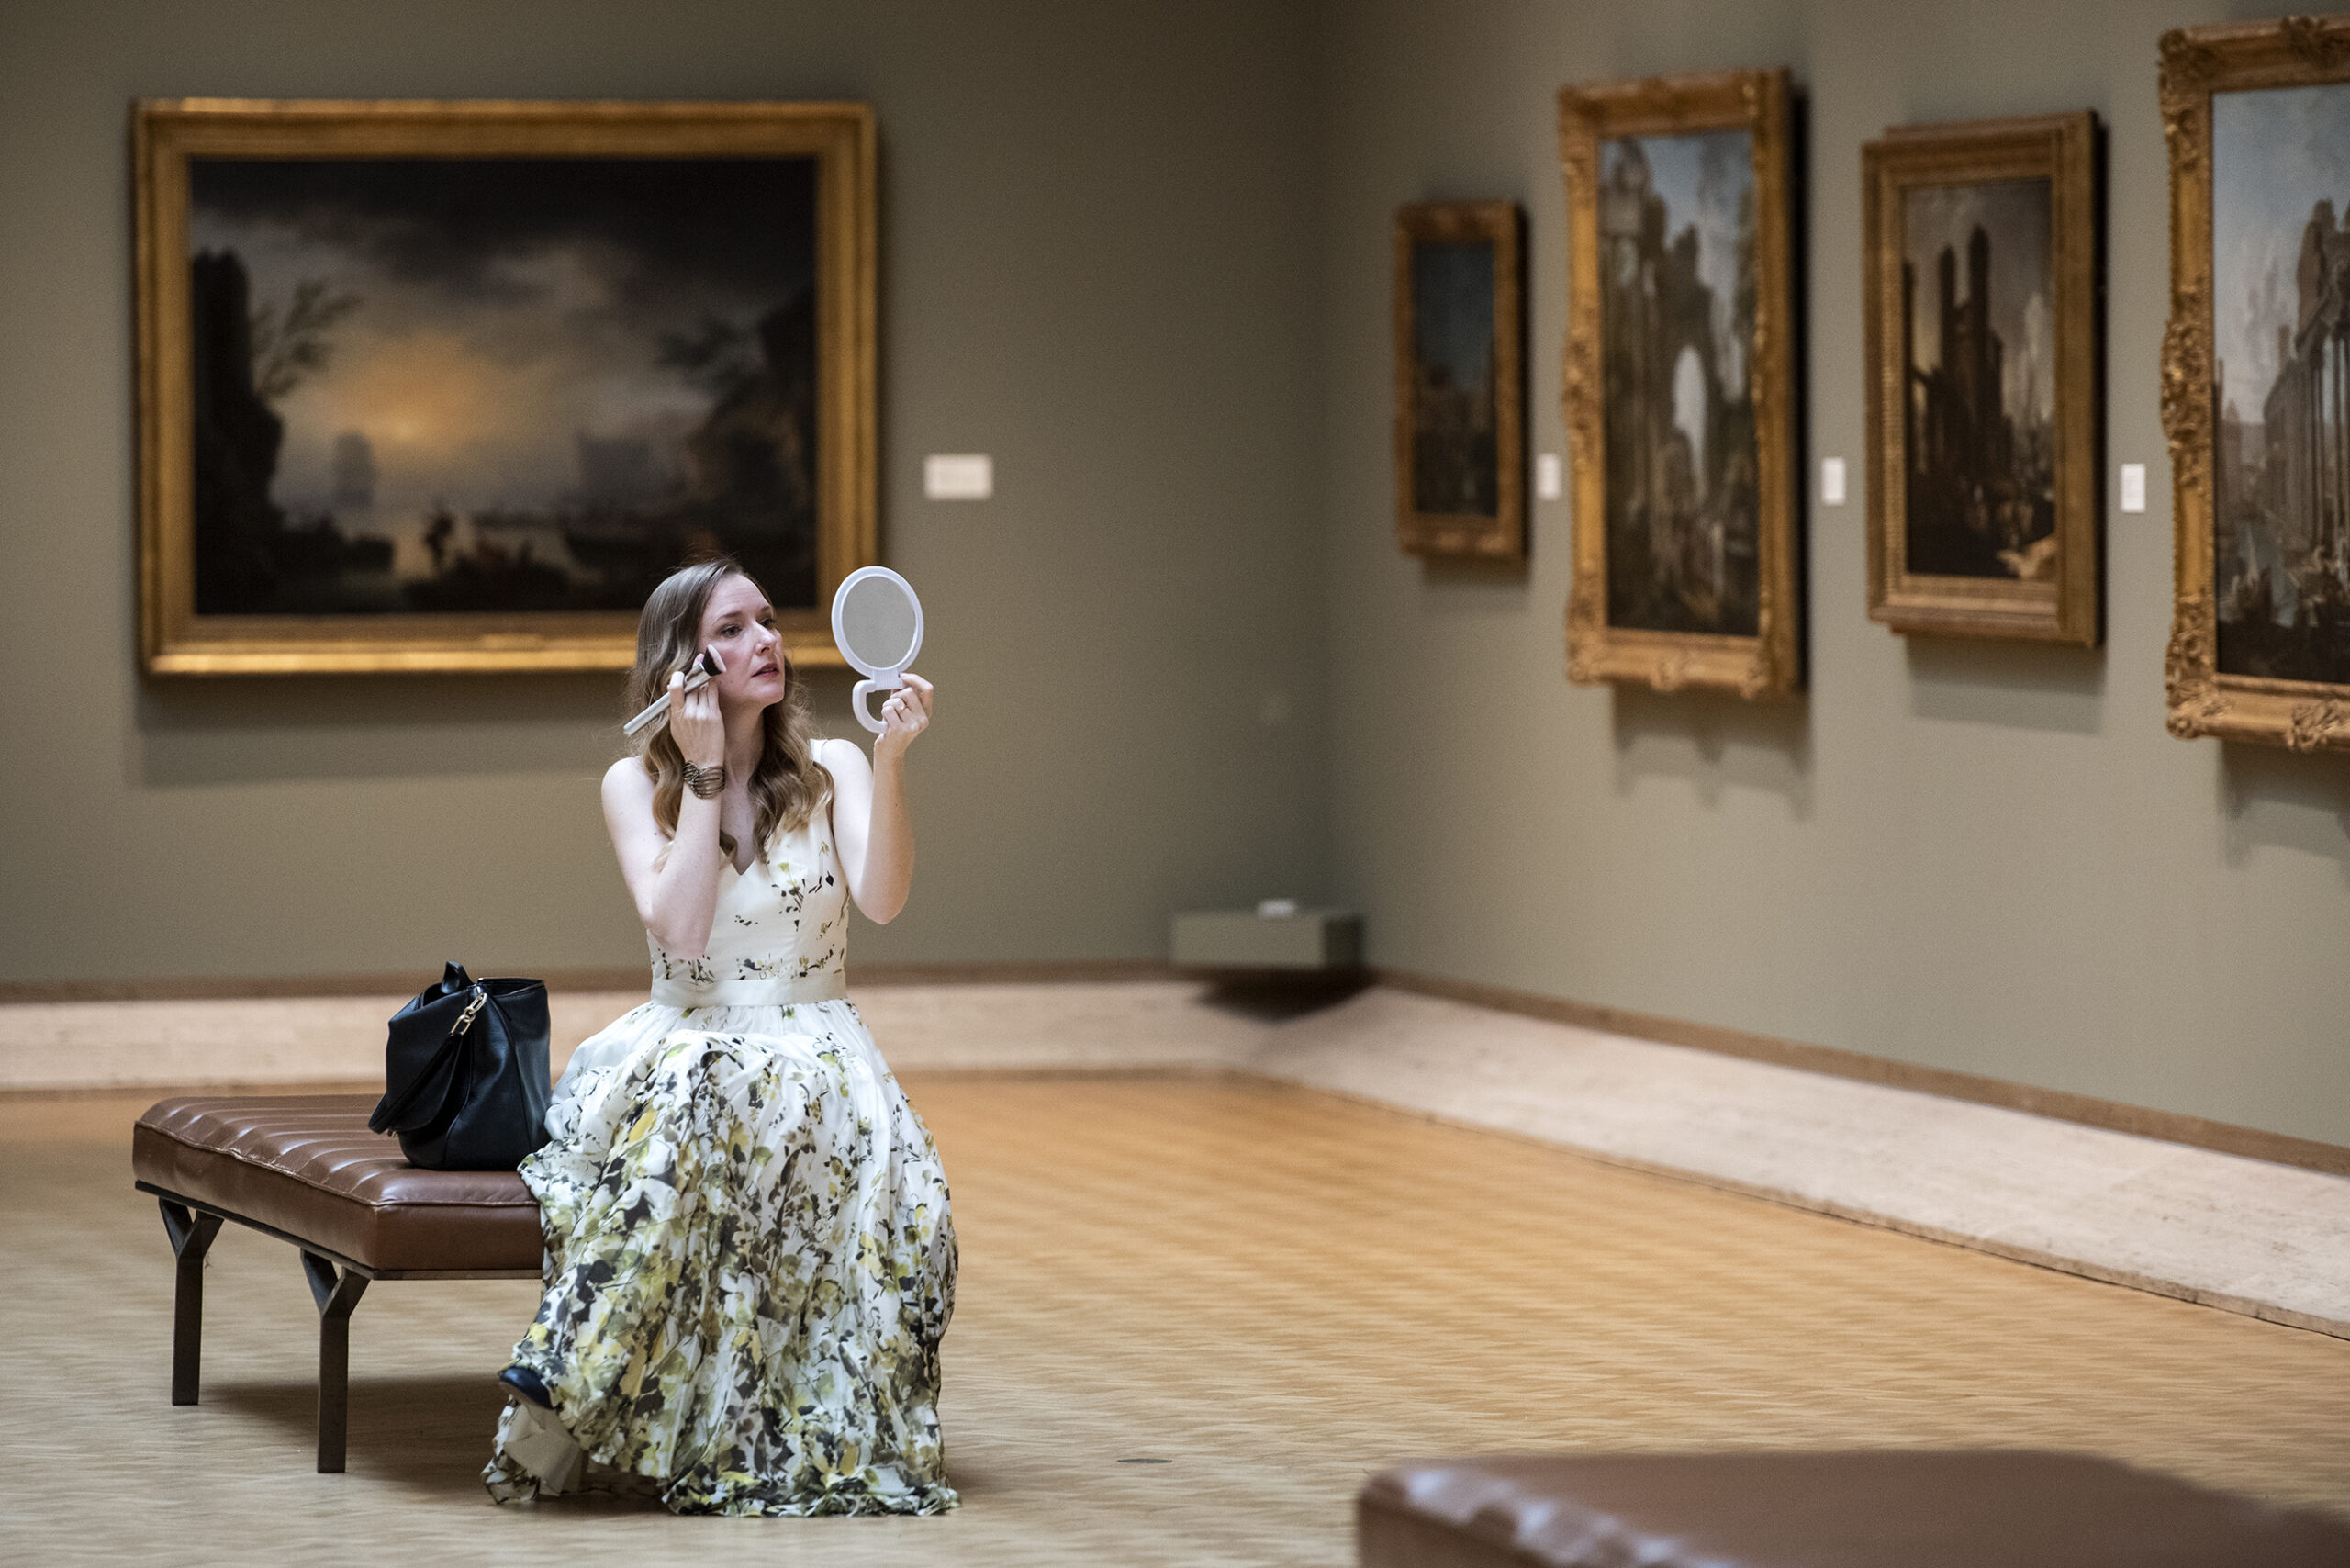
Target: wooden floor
(1271,1290)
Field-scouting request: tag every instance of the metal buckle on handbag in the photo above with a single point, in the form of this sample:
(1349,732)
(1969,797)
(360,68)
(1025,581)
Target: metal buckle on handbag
(465,1020)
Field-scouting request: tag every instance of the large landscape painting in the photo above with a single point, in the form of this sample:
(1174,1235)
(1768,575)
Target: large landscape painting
(2280,275)
(498,385)
(451,386)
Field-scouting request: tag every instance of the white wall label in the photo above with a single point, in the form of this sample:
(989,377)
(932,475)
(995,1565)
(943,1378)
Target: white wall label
(1831,481)
(959,476)
(1546,475)
(2133,487)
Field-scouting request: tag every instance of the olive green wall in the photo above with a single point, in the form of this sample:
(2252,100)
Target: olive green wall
(1139,252)
(1093,269)
(1981,857)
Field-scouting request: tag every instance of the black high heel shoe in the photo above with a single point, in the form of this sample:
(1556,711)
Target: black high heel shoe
(528,1385)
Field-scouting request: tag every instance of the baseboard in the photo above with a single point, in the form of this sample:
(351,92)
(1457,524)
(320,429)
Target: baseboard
(2224,1138)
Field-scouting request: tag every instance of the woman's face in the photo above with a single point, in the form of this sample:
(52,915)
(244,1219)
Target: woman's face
(740,623)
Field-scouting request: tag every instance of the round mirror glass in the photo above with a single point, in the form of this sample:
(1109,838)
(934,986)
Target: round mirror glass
(878,623)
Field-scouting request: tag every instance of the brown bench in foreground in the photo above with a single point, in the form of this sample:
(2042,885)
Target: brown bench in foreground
(2015,1508)
(305,1170)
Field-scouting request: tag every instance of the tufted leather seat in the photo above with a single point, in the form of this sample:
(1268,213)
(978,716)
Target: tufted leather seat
(1916,1508)
(306,1167)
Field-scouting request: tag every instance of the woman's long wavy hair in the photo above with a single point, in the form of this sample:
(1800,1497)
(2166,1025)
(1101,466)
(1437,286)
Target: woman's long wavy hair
(789,786)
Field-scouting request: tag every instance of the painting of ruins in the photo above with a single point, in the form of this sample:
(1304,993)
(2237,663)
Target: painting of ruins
(2256,380)
(2280,275)
(1676,234)
(1978,357)
(1678,382)
(1981,319)
(431,392)
(1460,380)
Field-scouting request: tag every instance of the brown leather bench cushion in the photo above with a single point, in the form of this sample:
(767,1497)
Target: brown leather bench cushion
(2015,1508)
(306,1165)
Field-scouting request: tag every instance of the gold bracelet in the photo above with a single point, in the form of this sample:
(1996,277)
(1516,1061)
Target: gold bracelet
(707,783)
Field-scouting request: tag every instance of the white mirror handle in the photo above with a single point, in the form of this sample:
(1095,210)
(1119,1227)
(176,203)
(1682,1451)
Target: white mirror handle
(858,704)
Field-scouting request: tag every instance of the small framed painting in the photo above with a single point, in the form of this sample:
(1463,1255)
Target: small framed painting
(1460,380)
(1679,384)
(1982,329)
(2257,380)
(452,385)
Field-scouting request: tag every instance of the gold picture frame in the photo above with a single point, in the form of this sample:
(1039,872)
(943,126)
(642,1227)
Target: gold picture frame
(1681,418)
(1460,380)
(824,153)
(1984,473)
(2236,667)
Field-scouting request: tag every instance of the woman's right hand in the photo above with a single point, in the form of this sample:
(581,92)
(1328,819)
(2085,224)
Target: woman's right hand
(695,723)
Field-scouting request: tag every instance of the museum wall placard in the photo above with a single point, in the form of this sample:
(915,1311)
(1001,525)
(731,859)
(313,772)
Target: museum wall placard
(1090,269)
(1980,857)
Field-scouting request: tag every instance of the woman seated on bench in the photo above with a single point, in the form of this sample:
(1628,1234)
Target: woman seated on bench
(749,1257)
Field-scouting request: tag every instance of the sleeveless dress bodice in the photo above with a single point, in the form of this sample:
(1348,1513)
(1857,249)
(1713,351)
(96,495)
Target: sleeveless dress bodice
(780,933)
(750,1257)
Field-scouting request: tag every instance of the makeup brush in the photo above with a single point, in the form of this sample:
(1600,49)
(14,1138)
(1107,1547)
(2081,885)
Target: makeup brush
(698,674)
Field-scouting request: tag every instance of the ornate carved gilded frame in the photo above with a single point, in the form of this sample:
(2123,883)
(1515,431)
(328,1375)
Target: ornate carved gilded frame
(2060,149)
(1770,663)
(2196,64)
(1501,537)
(175,640)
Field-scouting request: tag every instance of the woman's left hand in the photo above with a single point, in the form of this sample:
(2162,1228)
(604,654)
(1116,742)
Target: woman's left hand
(906,714)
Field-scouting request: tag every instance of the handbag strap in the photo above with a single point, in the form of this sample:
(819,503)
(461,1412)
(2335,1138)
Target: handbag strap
(389,1112)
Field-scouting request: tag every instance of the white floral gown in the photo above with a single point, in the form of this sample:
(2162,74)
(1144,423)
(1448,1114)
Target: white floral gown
(750,1260)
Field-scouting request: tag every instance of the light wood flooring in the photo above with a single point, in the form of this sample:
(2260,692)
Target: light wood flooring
(1273,1290)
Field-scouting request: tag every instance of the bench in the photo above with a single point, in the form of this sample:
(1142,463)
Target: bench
(305,1170)
(1918,1508)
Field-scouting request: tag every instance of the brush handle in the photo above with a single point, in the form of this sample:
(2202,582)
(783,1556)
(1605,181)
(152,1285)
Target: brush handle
(698,674)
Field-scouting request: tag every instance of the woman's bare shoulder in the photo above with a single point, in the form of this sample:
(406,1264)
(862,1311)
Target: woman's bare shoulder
(836,754)
(626,782)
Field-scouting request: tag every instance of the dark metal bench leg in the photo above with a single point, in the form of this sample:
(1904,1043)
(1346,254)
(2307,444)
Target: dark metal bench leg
(336,1292)
(191,1231)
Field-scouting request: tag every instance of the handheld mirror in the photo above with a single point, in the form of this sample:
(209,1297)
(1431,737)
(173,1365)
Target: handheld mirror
(877,621)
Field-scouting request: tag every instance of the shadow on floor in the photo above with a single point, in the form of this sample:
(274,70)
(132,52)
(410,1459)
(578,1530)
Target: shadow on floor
(431,1433)
(1270,996)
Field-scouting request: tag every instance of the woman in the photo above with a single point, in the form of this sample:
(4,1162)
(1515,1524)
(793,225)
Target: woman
(749,1257)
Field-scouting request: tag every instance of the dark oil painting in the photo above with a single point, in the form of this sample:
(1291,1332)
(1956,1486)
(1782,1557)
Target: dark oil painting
(1455,432)
(1978,350)
(2280,311)
(1677,294)
(498,385)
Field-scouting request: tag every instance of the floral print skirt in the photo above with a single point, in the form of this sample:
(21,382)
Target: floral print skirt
(750,1264)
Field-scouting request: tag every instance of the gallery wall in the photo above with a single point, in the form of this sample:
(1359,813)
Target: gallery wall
(1139,254)
(1092,270)
(1975,857)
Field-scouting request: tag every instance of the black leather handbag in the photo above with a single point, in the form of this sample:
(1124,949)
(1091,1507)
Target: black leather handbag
(465,1079)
